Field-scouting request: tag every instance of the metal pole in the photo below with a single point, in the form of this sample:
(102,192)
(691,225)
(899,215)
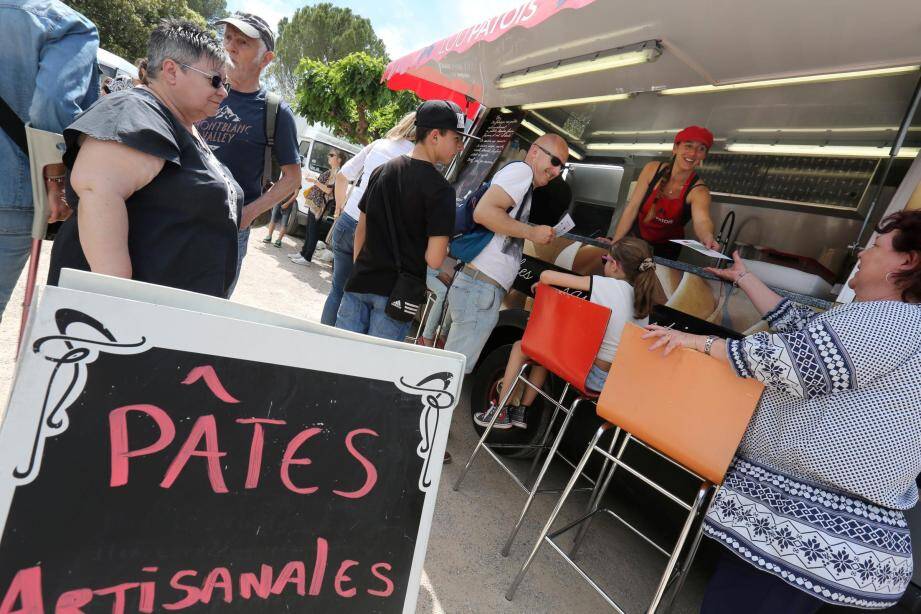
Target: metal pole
(30,288)
(896,146)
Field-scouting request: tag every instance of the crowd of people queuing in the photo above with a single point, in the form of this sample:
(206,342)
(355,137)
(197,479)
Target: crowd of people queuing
(167,174)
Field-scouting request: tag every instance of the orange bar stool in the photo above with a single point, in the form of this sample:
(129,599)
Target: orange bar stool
(563,334)
(687,408)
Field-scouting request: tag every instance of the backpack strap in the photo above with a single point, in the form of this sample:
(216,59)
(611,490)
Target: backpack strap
(660,172)
(272,102)
(13,126)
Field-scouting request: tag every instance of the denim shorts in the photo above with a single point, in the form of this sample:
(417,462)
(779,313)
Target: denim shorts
(595,379)
(281,215)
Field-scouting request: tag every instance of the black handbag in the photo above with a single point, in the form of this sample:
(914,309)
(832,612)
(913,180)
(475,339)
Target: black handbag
(408,294)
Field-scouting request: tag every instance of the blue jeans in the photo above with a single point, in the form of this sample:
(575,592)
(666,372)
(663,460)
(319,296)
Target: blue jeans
(474,306)
(343,244)
(595,379)
(440,290)
(15,244)
(311,236)
(242,244)
(364,313)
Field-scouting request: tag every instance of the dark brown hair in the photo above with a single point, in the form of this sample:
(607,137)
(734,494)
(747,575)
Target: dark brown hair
(906,240)
(141,64)
(634,254)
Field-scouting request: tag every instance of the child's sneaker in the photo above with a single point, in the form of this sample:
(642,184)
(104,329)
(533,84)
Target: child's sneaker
(483,418)
(516,415)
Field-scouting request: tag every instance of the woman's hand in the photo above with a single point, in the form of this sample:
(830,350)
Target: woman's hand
(732,274)
(712,244)
(672,339)
(58,209)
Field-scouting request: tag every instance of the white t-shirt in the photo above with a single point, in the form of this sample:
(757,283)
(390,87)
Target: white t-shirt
(364,163)
(514,179)
(616,295)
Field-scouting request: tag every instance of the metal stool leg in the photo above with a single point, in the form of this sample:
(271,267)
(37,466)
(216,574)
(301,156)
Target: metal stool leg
(540,476)
(595,502)
(546,437)
(676,553)
(696,531)
(505,397)
(510,594)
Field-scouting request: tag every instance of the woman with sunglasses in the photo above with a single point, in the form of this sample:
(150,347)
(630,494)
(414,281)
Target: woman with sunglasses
(152,201)
(626,288)
(320,197)
(668,195)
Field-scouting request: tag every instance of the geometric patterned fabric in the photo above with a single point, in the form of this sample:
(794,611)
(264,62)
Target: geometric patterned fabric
(842,399)
(832,452)
(838,548)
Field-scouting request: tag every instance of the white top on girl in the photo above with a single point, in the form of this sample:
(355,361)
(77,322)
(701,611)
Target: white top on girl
(616,295)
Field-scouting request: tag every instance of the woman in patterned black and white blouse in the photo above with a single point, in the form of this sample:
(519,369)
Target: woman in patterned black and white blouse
(812,505)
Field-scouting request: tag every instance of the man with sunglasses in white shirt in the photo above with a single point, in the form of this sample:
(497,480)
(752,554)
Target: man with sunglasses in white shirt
(478,289)
(237,133)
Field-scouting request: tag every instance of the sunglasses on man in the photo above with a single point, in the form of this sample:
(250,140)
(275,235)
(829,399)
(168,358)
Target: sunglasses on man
(215,80)
(553,159)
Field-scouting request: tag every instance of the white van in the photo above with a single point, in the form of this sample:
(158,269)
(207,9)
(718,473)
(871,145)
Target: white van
(314,145)
(111,65)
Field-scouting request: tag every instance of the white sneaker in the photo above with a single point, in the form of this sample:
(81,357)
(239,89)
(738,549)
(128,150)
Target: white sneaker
(298,259)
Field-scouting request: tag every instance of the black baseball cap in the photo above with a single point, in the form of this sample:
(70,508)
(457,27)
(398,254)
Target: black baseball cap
(253,26)
(443,115)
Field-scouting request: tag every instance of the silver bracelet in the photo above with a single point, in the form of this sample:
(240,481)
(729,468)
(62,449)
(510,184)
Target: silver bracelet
(708,344)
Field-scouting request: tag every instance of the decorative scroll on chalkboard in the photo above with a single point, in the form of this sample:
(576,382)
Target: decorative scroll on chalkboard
(156,459)
(800,179)
(499,131)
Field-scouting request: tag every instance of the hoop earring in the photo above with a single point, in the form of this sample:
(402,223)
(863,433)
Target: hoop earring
(888,275)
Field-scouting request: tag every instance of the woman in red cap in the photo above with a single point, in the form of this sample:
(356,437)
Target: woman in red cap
(668,195)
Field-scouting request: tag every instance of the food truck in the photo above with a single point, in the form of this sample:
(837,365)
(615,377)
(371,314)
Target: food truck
(814,108)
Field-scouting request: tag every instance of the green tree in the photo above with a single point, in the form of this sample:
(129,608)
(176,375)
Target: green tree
(125,25)
(209,9)
(348,97)
(321,32)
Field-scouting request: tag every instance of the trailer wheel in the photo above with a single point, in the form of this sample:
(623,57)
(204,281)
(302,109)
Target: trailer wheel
(484,390)
(294,227)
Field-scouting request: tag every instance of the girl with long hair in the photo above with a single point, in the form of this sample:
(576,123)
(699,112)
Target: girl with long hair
(626,288)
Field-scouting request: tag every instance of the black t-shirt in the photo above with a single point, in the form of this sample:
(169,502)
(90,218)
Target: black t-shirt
(424,207)
(182,226)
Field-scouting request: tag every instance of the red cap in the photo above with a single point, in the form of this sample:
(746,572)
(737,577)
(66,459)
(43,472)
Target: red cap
(695,133)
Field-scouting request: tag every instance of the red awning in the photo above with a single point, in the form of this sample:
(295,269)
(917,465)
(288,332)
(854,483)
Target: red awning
(411,72)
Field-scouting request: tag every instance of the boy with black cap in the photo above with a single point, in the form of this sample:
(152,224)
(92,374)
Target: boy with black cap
(420,204)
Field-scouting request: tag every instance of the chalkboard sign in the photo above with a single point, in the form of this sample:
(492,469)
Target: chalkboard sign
(499,131)
(158,459)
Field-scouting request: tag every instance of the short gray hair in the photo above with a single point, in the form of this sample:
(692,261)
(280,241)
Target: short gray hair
(184,42)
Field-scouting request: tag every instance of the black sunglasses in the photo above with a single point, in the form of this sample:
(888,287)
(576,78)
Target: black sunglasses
(215,80)
(553,159)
